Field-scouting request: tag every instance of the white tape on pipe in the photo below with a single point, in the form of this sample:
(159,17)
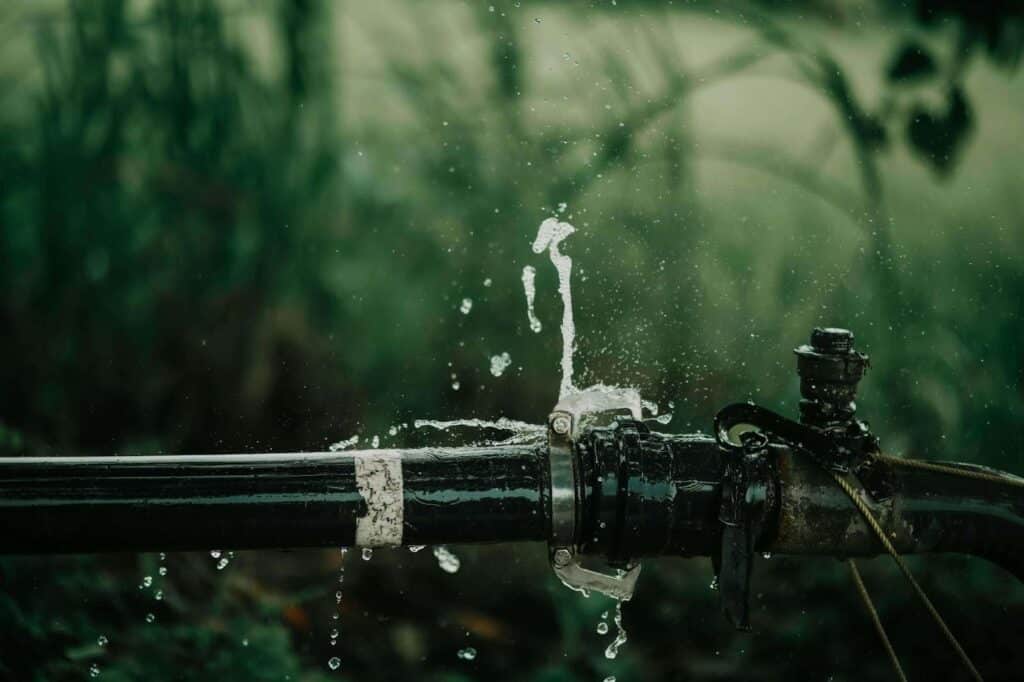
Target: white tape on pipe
(379,481)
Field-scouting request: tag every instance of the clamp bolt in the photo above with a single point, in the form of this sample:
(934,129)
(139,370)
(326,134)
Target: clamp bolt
(561,424)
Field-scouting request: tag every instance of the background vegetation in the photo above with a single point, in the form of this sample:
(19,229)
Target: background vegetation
(243,226)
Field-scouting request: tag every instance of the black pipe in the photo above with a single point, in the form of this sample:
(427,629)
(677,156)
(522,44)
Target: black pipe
(921,510)
(91,504)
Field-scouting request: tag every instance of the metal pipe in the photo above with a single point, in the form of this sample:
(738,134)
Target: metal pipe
(177,502)
(921,510)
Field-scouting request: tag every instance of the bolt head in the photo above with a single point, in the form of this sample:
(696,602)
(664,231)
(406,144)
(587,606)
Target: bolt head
(562,557)
(561,424)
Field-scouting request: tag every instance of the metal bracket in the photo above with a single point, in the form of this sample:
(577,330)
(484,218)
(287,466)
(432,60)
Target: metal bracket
(563,427)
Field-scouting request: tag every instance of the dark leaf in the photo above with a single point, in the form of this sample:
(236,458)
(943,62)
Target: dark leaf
(911,64)
(939,136)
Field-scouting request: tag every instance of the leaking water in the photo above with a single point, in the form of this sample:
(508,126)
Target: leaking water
(499,363)
(520,432)
(530,289)
(620,638)
(448,562)
(549,236)
(344,444)
(334,663)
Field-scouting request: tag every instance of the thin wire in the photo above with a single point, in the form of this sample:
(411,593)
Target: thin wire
(905,569)
(940,468)
(879,628)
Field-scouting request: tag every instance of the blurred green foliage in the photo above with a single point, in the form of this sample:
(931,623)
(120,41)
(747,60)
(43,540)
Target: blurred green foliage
(238,226)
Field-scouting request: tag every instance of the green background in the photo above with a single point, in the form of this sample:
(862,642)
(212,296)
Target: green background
(248,226)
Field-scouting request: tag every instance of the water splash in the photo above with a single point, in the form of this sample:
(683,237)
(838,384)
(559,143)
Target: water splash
(448,562)
(530,289)
(520,432)
(336,614)
(344,444)
(620,638)
(550,235)
(499,363)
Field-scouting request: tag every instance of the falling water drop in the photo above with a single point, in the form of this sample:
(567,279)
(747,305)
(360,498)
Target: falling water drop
(416,548)
(94,670)
(150,618)
(602,628)
(223,563)
(466,306)
(530,289)
(620,638)
(499,363)
(334,663)
(467,654)
(367,553)
(102,640)
(215,553)
(448,562)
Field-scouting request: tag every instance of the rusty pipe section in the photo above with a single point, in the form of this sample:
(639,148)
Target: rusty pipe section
(922,511)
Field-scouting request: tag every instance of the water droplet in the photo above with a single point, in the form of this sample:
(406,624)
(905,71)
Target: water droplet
(245,641)
(94,670)
(610,678)
(602,628)
(162,570)
(375,442)
(488,282)
(147,581)
(530,289)
(448,562)
(215,553)
(223,563)
(150,618)
(467,654)
(499,363)
(416,548)
(163,556)
(102,640)
(767,555)
(620,638)
(455,385)
(334,663)
(714,583)
(367,553)
(467,305)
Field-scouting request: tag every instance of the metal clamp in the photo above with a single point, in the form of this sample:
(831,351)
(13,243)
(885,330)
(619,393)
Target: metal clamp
(563,426)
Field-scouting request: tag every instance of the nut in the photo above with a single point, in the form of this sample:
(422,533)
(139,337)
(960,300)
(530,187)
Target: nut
(561,424)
